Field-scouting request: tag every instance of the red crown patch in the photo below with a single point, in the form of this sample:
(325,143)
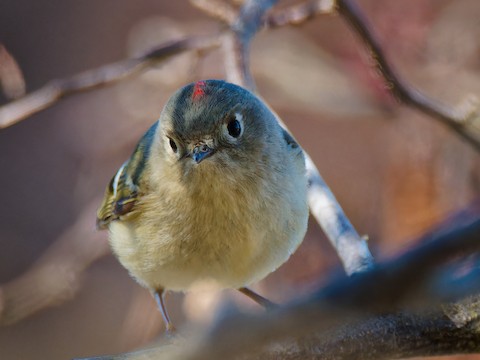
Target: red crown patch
(199,90)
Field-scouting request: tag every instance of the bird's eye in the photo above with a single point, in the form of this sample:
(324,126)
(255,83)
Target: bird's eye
(234,128)
(173,145)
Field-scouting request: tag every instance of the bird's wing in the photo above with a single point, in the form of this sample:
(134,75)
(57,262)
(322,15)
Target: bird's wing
(125,188)
(119,199)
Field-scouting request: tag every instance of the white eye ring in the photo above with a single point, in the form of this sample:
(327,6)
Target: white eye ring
(234,127)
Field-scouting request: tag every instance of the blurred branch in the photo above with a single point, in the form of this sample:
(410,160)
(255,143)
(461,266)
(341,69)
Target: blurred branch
(11,77)
(393,336)
(357,317)
(56,276)
(54,91)
(464,122)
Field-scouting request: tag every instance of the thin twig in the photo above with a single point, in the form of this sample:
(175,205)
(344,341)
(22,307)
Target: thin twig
(352,249)
(457,120)
(51,93)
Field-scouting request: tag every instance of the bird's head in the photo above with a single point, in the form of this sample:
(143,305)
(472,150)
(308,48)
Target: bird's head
(212,126)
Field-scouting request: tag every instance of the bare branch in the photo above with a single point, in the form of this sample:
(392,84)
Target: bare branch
(51,93)
(350,247)
(394,336)
(463,122)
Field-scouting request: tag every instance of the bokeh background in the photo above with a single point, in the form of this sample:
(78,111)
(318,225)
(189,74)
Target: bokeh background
(395,171)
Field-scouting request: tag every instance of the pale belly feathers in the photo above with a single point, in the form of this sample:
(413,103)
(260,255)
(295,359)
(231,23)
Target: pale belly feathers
(233,237)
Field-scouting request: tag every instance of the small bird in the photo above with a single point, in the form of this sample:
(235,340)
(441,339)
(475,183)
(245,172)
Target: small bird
(215,189)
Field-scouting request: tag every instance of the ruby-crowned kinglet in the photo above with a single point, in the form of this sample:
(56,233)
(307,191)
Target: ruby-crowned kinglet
(215,189)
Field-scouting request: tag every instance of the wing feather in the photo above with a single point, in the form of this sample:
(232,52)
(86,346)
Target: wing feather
(124,188)
(119,199)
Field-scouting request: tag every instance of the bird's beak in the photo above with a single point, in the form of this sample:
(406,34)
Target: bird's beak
(201,152)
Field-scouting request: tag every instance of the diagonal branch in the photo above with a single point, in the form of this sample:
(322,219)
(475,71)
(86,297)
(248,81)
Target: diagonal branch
(352,249)
(51,93)
(463,123)
(393,336)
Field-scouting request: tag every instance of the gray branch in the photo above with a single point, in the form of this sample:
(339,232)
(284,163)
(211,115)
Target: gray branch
(392,336)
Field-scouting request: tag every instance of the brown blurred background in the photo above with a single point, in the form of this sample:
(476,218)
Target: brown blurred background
(395,171)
